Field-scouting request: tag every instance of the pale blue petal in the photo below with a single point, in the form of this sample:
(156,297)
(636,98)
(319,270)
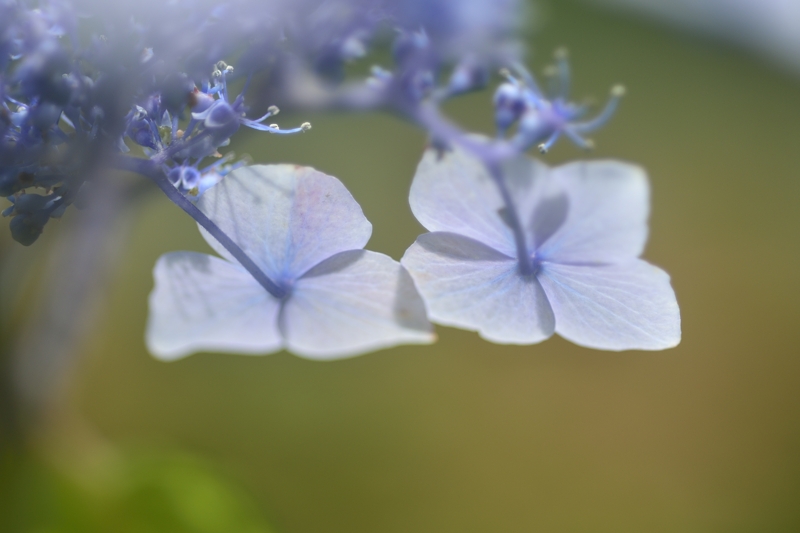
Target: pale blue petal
(539,200)
(466,284)
(352,303)
(630,306)
(203,303)
(604,210)
(453,192)
(285,217)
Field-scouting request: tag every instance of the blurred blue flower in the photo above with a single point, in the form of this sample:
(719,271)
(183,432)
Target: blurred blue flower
(584,227)
(70,96)
(305,232)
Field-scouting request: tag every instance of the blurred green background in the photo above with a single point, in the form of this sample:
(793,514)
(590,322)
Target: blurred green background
(464,435)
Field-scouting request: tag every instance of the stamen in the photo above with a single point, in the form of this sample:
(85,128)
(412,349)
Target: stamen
(562,68)
(586,144)
(545,146)
(527,78)
(617,92)
(271,111)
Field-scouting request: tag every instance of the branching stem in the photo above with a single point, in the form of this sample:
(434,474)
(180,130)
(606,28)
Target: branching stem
(151,170)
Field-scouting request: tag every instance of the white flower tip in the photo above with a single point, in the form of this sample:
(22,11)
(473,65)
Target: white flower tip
(305,126)
(618,91)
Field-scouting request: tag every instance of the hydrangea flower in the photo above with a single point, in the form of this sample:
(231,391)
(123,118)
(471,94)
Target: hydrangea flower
(584,225)
(306,233)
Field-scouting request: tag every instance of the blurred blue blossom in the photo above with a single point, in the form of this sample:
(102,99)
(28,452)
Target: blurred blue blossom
(154,75)
(305,232)
(583,227)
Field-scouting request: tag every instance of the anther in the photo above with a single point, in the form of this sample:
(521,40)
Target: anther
(305,126)
(618,91)
(274,126)
(542,148)
(273,110)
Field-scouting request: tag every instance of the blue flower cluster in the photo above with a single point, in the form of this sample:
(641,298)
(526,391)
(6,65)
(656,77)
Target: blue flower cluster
(153,76)
(145,89)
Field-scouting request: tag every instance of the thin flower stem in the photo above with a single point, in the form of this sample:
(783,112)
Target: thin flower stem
(523,257)
(491,155)
(430,118)
(150,169)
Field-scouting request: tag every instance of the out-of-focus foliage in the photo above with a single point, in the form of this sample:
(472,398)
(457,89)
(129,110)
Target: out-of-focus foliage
(132,494)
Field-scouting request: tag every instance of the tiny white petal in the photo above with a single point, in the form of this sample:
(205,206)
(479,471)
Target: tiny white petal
(352,303)
(203,303)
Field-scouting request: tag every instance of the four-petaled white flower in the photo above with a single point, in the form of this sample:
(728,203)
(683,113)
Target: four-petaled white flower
(585,226)
(305,231)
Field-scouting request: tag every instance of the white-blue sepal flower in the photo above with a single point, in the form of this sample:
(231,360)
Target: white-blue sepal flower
(305,231)
(585,225)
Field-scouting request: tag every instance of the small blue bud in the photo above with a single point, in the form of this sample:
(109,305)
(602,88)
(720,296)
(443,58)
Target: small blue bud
(25,229)
(467,76)
(408,44)
(41,74)
(30,203)
(220,120)
(184,178)
(141,133)
(509,103)
(199,101)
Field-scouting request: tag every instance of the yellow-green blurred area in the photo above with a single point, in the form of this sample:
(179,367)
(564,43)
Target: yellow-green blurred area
(464,435)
